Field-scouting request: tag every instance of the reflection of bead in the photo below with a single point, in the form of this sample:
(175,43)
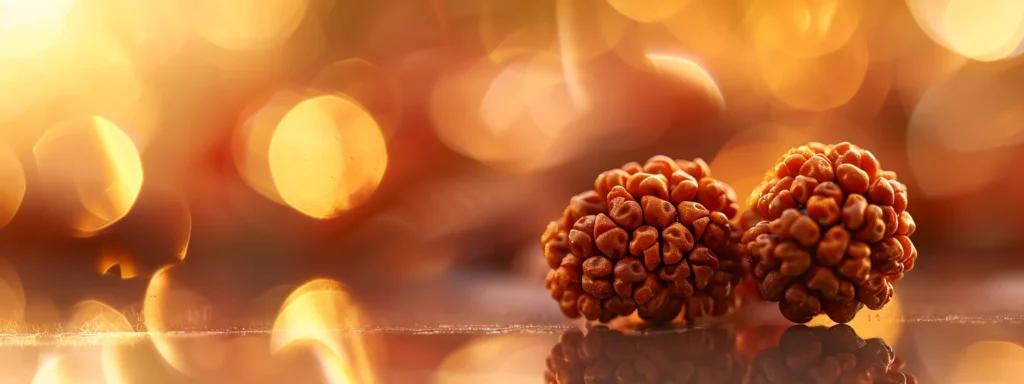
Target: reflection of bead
(835,233)
(656,235)
(827,355)
(609,356)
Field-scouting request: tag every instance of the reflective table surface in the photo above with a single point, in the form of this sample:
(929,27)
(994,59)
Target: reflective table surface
(503,330)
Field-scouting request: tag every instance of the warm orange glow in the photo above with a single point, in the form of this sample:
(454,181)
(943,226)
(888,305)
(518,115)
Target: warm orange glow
(13,190)
(112,257)
(973,139)
(326,156)
(581,29)
(12,298)
(510,359)
(244,24)
(810,83)
(49,373)
(990,362)
(93,171)
(29,27)
(510,117)
(166,309)
(646,11)
(690,73)
(321,314)
(885,323)
(367,84)
(984,31)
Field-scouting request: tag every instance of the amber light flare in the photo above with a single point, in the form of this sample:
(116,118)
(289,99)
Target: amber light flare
(92,171)
(321,315)
(327,155)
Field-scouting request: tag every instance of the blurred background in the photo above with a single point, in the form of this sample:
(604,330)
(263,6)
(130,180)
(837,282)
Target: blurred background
(215,165)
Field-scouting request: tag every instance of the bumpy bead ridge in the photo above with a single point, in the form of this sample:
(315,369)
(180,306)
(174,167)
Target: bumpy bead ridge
(652,238)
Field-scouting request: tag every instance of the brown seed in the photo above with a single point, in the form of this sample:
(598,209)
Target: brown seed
(802,188)
(608,180)
(906,224)
(875,291)
(632,167)
(829,189)
(652,258)
(874,227)
(686,190)
(661,165)
(702,275)
(697,168)
(833,246)
(626,213)
(823,280)
(599,288)
(842,311)
(643,238)
(657,212)
(702,255)
(795,260)
(690,211)
(630,269)
(580,243)
(597,266)
(780,227)
(855,270)
(805,231)
(763,247)
(783,200)
(645,184)
(699,226)
(773,285)
(711,195)
(852,178)
(818,168)
(858,250)
(790,166)
(613,243)
(568,303)
(881,192)
(620,306)
(799,305)
(650,287)
(823,210)
(589,306)
(854,211)
(890,219)
(676,278)
(556,249)
(716,236)
(617,192)
(889,249)
(586,203)
(678,241)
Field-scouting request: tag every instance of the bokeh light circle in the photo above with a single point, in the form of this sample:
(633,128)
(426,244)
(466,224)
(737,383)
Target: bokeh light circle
(92,170)
(327,155)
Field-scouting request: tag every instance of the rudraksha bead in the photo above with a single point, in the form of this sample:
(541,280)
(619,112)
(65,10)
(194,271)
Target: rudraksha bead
(602,355)
(817,355)
(835,235)
(651,238)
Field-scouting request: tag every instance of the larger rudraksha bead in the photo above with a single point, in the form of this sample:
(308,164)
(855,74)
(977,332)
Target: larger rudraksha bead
(811,355)
(835,235)
(606,356)
(653,239)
